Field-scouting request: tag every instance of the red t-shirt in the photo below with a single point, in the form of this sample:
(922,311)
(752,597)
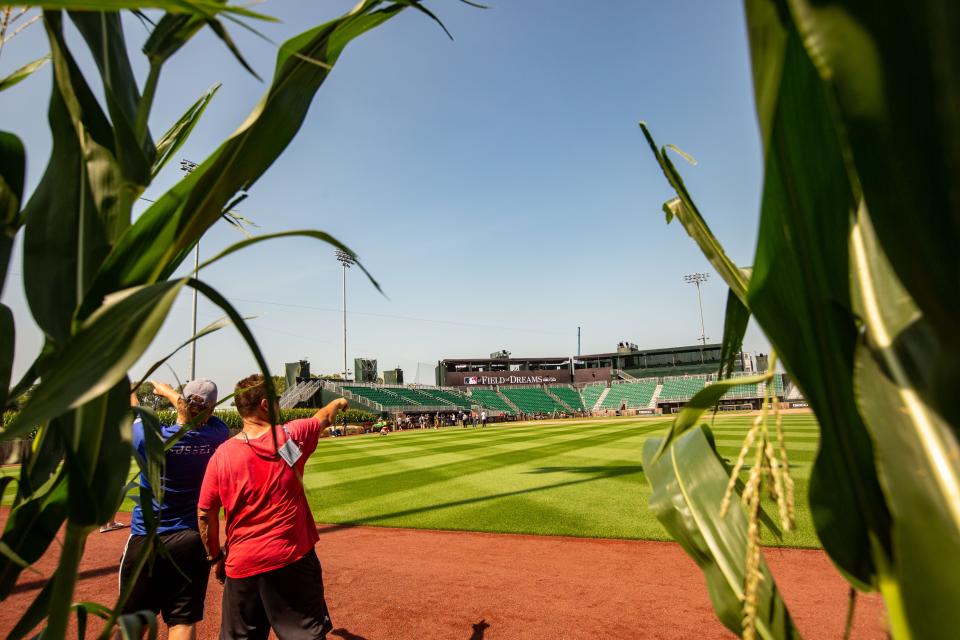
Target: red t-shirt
(268,520)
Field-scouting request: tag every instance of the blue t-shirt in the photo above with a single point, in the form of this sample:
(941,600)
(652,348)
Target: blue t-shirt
(186,463)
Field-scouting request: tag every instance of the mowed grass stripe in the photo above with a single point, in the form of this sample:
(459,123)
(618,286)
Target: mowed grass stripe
(581,478)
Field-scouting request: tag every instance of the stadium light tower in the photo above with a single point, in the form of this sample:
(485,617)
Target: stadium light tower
(697,279)
(345,260)
(187,167)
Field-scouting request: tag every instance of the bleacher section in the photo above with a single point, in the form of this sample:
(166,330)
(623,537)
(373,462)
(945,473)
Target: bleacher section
(442,396)
(591,393)
(379,395)
(681,389)
(532,400)
(743,391)
(418,397)
(778,385)
(636,395)
(489,398)
(568,395)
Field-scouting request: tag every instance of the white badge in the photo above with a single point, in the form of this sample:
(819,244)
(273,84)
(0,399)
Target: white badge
(289,451)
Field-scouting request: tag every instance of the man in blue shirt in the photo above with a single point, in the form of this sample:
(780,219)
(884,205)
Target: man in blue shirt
(175,584)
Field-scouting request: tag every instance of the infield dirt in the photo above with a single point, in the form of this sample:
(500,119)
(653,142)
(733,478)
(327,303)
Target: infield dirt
(401,583)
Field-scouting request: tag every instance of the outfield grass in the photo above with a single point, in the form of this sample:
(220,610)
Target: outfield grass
(578,478)
(568,477)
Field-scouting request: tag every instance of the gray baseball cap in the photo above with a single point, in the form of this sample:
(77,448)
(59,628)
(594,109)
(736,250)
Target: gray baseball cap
(203,389)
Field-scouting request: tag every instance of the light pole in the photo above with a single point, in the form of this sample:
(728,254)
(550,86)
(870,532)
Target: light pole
(187,167)
(346,260)
(697,278)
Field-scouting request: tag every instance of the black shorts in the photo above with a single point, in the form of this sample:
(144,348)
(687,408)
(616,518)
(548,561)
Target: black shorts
(288,599)
(176,591)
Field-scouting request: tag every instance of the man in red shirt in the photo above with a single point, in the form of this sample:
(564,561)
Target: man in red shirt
(272,574)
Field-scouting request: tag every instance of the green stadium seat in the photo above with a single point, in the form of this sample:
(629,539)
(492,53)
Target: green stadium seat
(532,400)
(635,395)
(681,389)
(591,393)
(568,395)
(489,399)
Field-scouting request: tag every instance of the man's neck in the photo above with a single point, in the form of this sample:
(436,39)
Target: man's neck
(255,426)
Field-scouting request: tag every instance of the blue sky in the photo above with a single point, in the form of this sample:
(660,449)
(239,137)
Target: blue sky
(497,185)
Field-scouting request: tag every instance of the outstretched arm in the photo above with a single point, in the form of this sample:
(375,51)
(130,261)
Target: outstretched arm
(327,414)
(164,390)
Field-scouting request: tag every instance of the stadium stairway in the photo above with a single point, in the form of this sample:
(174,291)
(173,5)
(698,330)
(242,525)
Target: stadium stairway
(655,397)
(568,396)
(557,398)
(507,400)
(599,402)
(301,392)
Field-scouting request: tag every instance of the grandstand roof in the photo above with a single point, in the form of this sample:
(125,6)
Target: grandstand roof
(696,347)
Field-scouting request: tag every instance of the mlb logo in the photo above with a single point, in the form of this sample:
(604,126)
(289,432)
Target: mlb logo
(470,380)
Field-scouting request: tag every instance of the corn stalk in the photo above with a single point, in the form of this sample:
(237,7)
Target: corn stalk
(856,281)
(100,285)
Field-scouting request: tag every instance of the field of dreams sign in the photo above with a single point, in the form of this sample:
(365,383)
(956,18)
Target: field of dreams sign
(487,378)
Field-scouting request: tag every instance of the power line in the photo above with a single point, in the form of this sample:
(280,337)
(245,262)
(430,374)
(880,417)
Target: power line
(397,317)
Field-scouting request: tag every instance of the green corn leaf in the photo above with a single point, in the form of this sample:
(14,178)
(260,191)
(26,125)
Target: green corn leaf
(154,247)
(13,163)
(171,33)
(217,27)
(683,208)
(799,291)
(6,351)
(207,330)
(99,355)
(31,527)
(704,400)
(22,73)
(205,8)
(918,456)
(893,76)
(56,268)
(735,322)
(689,483)
(98,456)
(305,233)
(47,451)
(173,139)
(103,32)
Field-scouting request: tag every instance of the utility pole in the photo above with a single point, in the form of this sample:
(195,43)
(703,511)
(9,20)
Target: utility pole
(578,342)
(697,279)
(345,260)
(187,167)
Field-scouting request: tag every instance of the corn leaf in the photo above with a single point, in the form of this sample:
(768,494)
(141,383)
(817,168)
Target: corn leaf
(173,139)
(206,8)
(103,32)
(701,402)
(161,238)
(683,208)
(6,351)
(896,85)
(305,233)
(58,269)
(22,73)
(30,528)
(799,292)
(918,457)
(12,170)
(98,440)
(689,483)
(735,322)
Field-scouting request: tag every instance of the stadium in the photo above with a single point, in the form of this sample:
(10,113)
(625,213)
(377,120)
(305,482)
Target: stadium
(628,381)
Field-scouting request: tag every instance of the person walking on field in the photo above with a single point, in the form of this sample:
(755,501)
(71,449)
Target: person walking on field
(272,576)
(175,584)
